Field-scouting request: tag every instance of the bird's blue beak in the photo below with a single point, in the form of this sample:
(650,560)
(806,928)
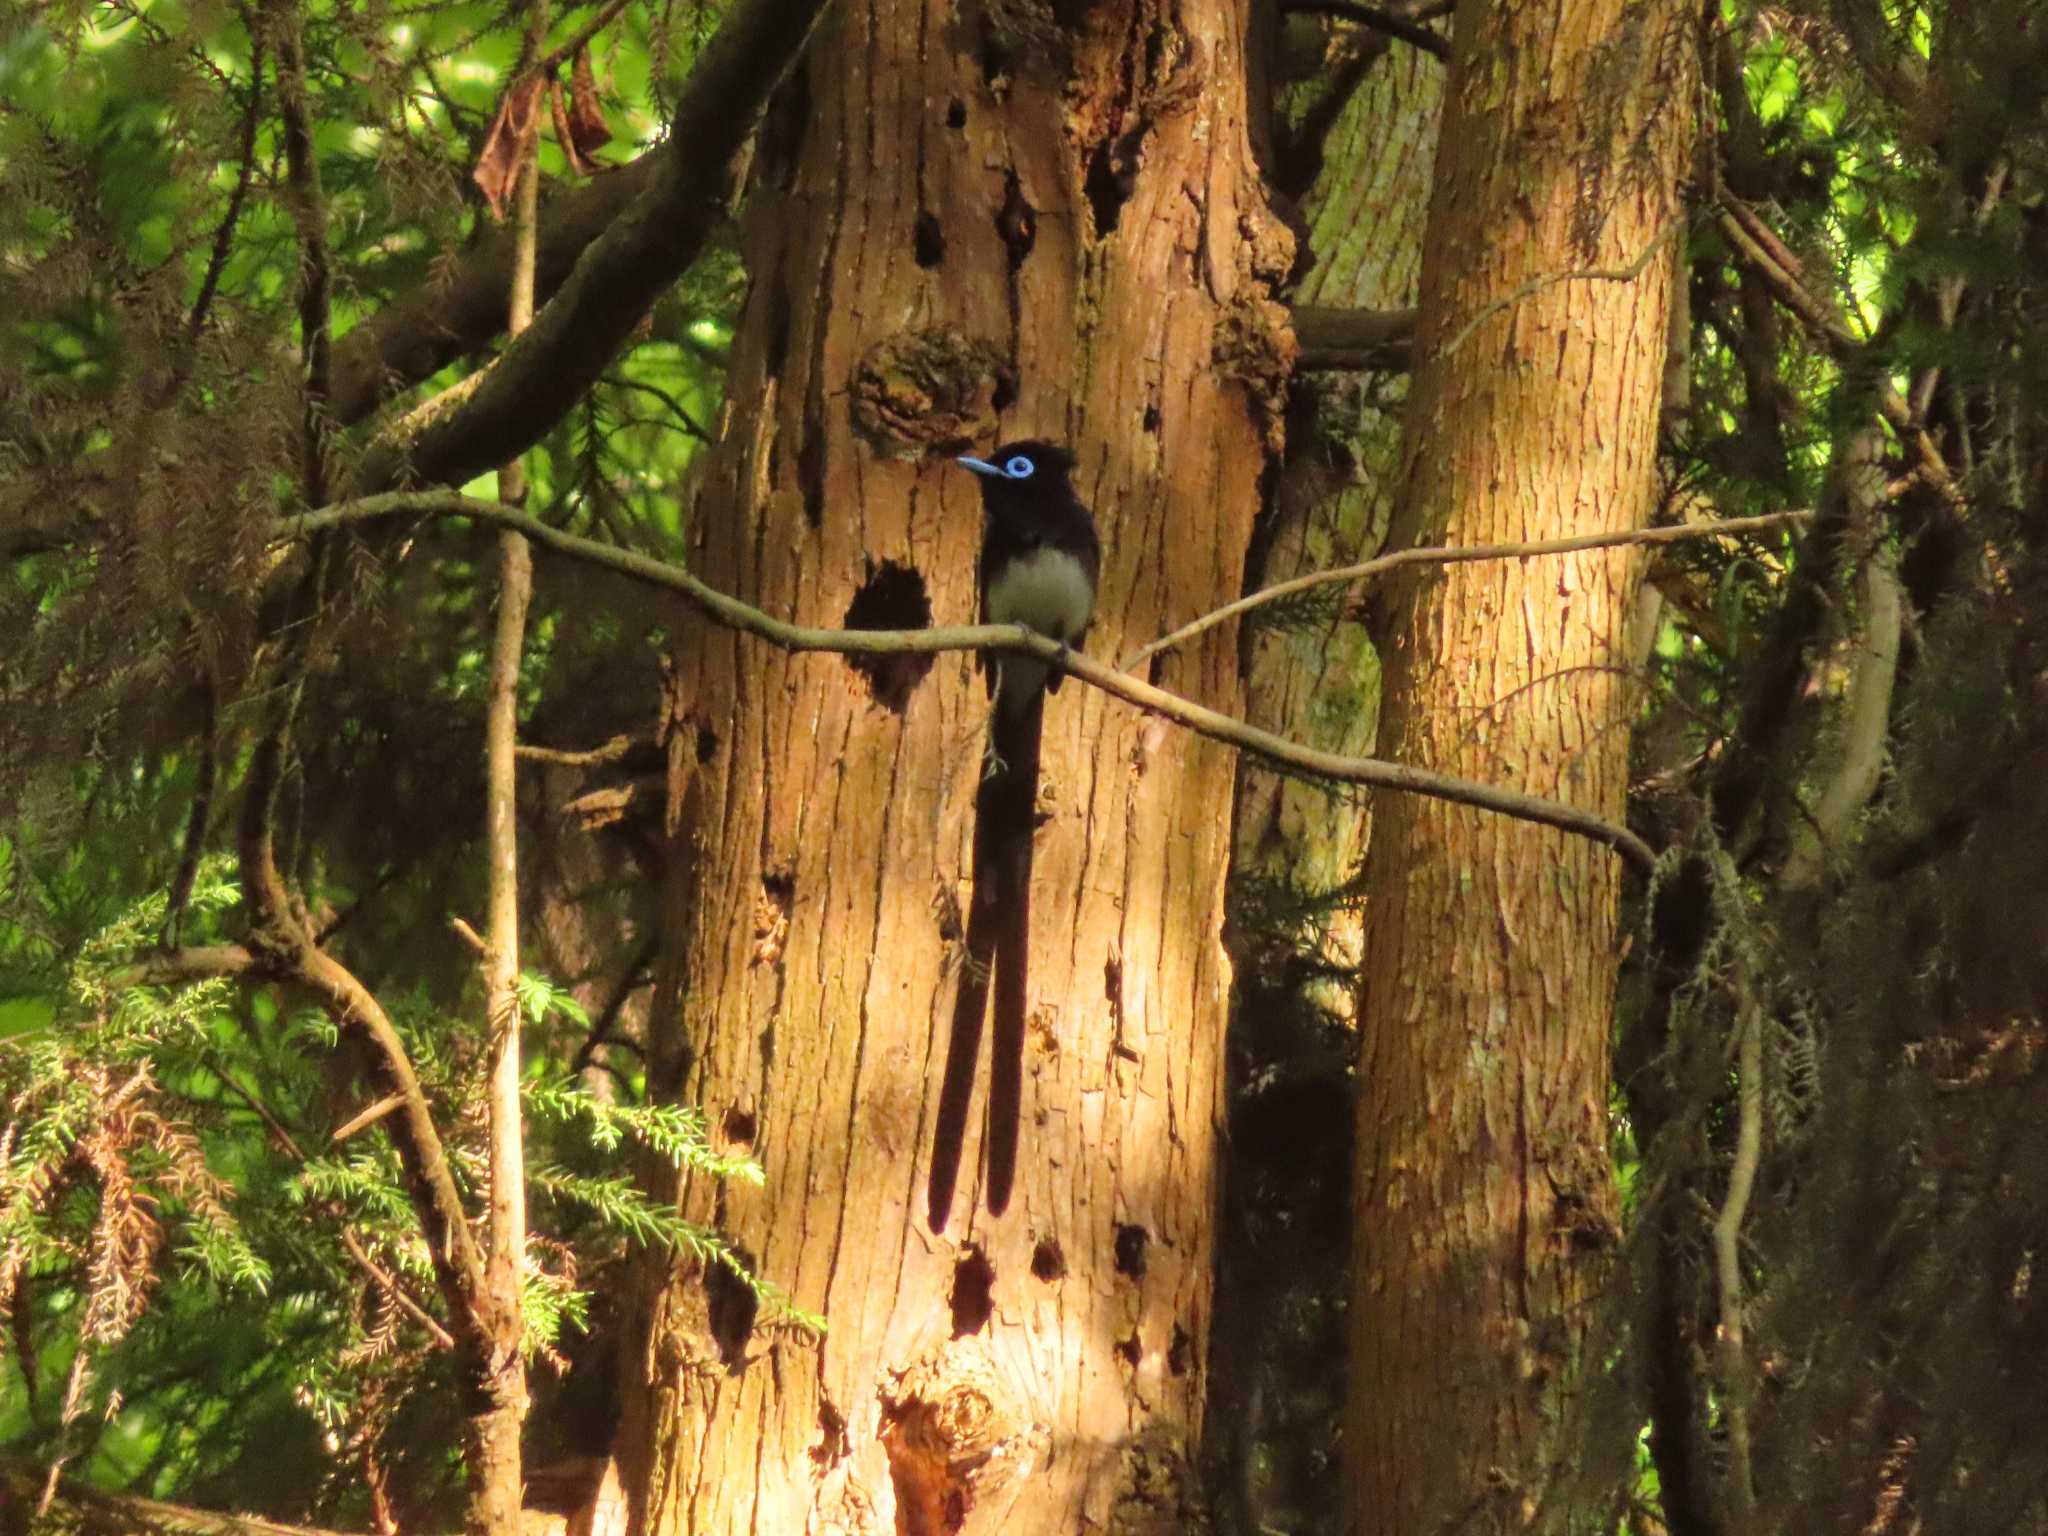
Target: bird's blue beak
(983,467)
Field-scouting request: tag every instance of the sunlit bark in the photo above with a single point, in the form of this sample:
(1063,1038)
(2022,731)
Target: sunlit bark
(1485,1202)
(964,227)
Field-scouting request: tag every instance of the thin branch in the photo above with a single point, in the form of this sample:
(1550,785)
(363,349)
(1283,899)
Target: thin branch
(280,946)
(1435,44)
(177,967)
(1867,721)
(1450,556)
(363,1119)
(735,614)
(1731,1360)
(495,1471)
(379,1276)
(198,817)
(224,236)
(1766,255)
(402,1298)
(584,36)
(635,976)
(309,218)
(611,752)
(1542,280)
(690,423)
(121,1511)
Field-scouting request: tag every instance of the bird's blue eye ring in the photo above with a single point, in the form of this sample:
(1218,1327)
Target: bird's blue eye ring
(1019,468)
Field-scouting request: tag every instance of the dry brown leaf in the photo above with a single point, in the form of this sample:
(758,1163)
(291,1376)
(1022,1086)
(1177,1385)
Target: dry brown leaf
(564,135)
(510,142)
(587,129)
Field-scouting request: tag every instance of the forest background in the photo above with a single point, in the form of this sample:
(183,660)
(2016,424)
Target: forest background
(1536,1021)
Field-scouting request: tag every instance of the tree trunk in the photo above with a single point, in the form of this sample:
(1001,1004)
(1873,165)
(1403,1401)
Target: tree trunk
(1485,1202)
(1284,1267)
(963,228)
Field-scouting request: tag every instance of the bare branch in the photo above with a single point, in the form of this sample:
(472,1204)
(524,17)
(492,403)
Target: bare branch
(176,967)
(1453,555)
(363,1119)
(1542,280)
(735,614)
(495,1468)
(1353,340)
(1730,1358)
(309,218)
(1868,719)
(594,757)
(1435,44)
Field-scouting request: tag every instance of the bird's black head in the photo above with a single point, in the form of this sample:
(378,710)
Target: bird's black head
(1023,472)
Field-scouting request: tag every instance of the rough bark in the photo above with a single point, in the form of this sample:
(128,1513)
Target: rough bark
(964,226)
(1285,1262)
(1319,682)
(1485,1204)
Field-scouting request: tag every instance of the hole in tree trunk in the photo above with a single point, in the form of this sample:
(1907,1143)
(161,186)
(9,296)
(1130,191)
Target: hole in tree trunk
(928,241)
(1048,1263)
(973,1280)
(1112,176)
(1016,222)
(1130,1251)
(894,597)
(833,1444)
(730,1307)
(995,61)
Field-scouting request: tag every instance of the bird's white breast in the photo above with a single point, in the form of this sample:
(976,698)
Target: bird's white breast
(1047,590)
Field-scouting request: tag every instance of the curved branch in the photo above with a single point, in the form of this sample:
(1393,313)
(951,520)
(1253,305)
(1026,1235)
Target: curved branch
(1872,676)
(1453,555)
(734,614)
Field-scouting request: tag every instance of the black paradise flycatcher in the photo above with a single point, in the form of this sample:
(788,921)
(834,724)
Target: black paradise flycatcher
(1040,558)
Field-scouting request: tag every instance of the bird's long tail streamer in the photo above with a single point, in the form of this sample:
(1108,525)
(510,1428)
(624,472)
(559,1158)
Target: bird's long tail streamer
(998,943)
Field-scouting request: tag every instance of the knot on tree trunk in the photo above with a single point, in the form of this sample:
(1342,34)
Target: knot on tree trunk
(931,391)
(955,1432)
(1255,345)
